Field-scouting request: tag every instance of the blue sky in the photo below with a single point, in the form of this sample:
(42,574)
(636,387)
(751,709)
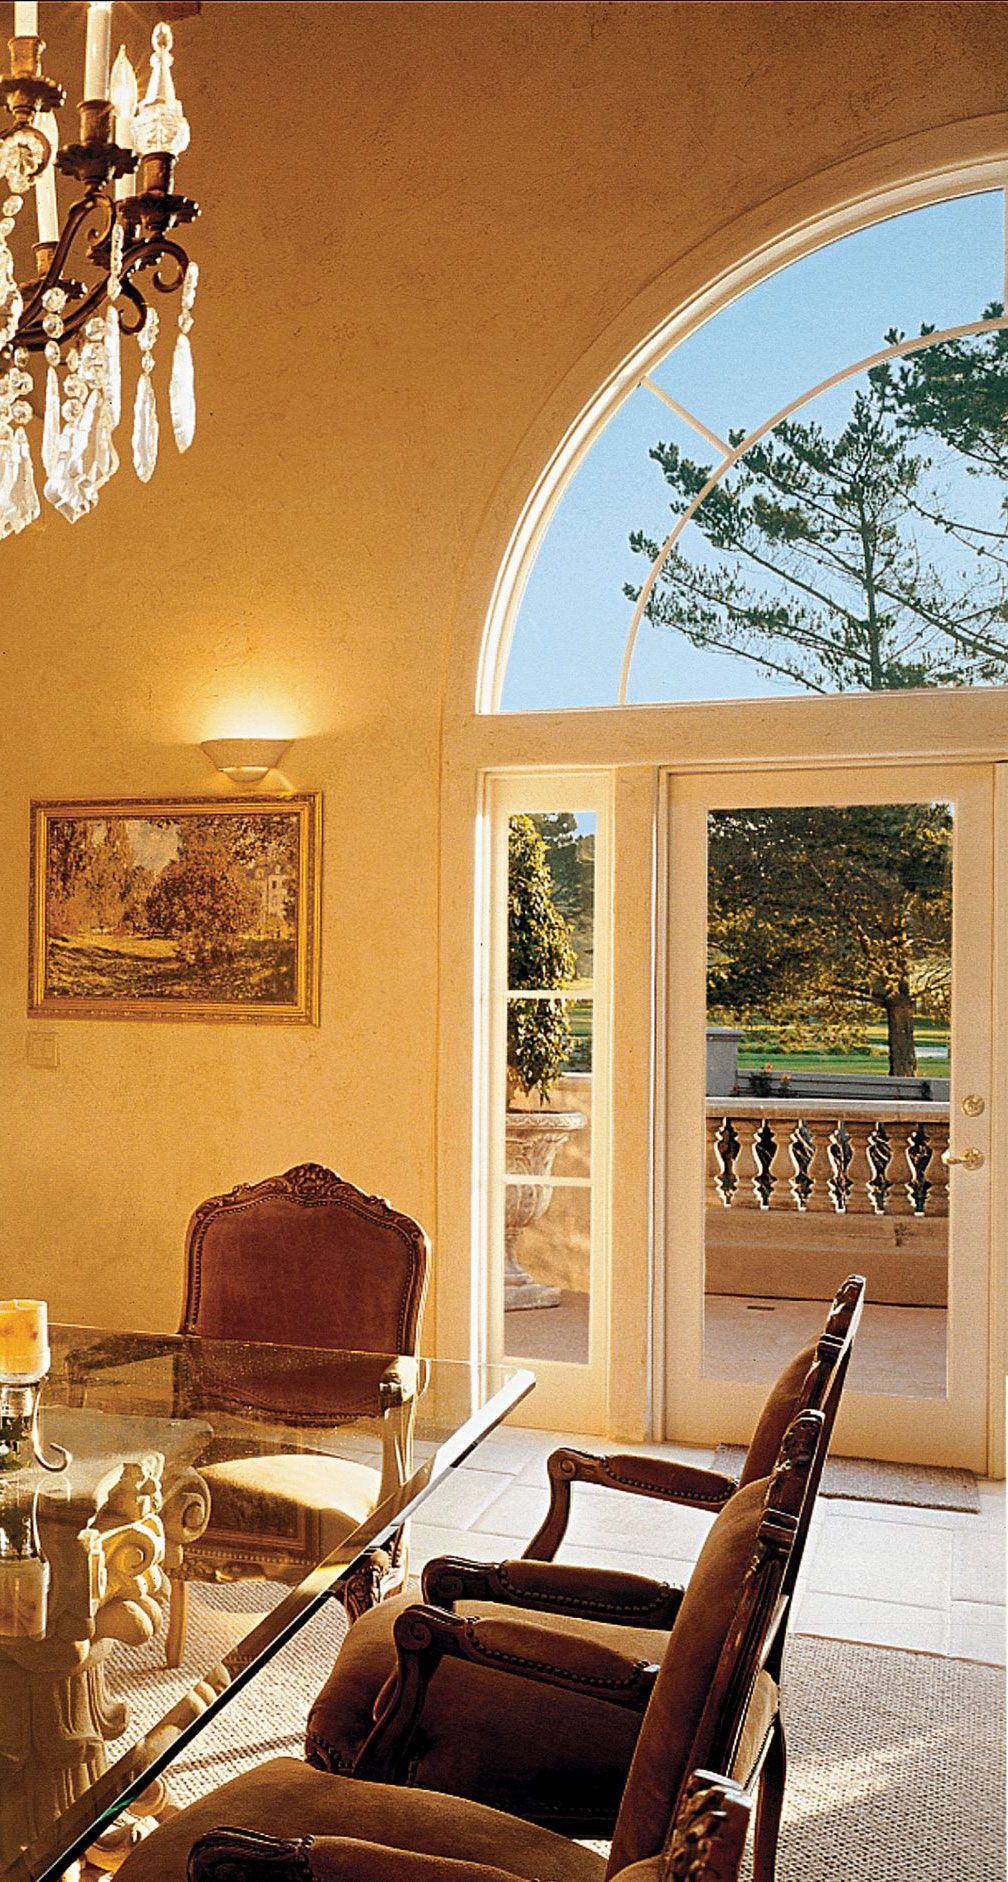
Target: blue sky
(942,265)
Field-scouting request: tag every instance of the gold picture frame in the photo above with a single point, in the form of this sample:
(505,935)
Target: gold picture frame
(180,908)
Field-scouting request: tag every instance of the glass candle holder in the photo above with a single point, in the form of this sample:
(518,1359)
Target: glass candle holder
(20,1438)
(24,1571)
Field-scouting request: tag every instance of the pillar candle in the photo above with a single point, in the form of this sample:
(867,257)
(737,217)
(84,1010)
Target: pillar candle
(97,49)
(25,19)
(24,1339)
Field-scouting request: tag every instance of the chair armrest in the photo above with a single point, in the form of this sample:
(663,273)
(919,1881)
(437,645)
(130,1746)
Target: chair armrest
(424,1636)
(332,1388)
(224,1854)
(561,1588)
(644,1476)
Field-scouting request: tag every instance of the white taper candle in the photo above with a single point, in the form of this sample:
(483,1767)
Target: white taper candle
(45,185)
(97,49)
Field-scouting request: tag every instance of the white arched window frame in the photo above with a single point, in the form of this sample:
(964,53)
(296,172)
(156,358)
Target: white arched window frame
(637,372)
(636,746)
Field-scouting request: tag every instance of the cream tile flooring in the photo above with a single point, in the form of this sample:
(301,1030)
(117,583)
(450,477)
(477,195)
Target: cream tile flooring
(932,1581)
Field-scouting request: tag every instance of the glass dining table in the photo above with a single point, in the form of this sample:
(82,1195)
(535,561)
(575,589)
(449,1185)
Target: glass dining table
(251,1485)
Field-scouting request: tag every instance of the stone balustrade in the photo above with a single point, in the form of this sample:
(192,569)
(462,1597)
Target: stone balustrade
(820,1155)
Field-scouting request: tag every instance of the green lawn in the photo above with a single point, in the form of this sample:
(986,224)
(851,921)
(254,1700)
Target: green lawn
(756,1050)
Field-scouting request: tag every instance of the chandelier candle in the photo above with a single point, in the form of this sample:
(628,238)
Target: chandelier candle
(97,49)
(45,187)
(125,97)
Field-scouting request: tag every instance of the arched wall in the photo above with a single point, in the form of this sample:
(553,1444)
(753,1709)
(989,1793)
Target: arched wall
(902,175)
(428,234)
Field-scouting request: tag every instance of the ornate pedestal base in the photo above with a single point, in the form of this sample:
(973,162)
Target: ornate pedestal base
(533,1139)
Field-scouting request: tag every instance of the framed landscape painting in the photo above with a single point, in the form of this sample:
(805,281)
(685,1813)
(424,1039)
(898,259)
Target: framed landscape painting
(189,908)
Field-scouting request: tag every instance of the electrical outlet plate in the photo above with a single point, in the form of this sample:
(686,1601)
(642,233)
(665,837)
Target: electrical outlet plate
(43,1051)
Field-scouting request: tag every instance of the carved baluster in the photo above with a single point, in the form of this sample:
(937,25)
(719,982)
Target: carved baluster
(727,1145)
(840,1150)
(879,1158)
(803,1149)
(764,1149)
(919,1151)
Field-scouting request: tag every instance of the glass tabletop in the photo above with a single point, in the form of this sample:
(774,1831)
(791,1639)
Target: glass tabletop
(215,1495)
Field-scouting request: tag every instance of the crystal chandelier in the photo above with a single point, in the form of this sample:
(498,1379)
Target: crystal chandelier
(115,233)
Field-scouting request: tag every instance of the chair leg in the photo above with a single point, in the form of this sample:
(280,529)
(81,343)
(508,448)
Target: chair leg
(770,1805)
(178,1615)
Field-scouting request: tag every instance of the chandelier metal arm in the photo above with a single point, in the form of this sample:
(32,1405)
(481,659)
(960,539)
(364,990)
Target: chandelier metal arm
(137,257)
(33,291)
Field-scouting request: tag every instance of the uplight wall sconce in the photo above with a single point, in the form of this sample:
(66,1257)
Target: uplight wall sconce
(245,760)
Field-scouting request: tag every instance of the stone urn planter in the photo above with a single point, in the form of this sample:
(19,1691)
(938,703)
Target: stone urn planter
(532,1139)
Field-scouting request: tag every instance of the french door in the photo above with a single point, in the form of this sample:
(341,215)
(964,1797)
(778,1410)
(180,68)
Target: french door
(827,1045)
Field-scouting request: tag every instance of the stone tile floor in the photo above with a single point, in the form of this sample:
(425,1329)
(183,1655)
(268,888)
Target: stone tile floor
(932,1581)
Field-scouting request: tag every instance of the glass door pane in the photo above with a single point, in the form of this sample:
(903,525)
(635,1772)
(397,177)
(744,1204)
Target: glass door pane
(829,981)
(547,1117)
(827,1045)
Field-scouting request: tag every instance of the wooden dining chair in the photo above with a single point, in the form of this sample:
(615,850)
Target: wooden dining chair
(568,1765)
(708,1707)
(706,1844)
(305,1259)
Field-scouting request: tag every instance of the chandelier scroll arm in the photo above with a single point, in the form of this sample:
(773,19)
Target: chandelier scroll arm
(29,326)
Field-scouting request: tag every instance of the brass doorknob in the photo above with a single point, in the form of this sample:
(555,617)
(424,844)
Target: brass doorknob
(971,1159)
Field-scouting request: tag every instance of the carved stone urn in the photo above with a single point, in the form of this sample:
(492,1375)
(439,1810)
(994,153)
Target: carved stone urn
(532,1139)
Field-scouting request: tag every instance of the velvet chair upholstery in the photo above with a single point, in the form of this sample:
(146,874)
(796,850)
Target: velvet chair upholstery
(567,1767)
(302,1259)
(709,1708)
(706,1844)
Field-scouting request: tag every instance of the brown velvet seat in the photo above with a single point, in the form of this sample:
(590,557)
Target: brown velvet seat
(567,1767)
(302,1259)
(704,1708)
(706,1844)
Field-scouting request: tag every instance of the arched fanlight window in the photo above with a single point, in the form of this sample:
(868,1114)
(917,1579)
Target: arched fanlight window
(805,494)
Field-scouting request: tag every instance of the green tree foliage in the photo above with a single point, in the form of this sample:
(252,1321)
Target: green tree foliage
(956,391)
(828,561)
(204,901)
(822,918)
(571,858)
(540,956)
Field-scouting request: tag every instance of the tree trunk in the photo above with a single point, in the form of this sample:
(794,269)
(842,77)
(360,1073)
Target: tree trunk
(900,1022)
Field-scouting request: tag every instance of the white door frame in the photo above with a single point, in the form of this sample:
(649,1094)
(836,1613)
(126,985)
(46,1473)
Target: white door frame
(950,1430)
(637,746)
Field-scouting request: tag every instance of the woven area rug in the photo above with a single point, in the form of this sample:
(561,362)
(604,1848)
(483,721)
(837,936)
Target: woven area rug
(896,1760)
(922,1486)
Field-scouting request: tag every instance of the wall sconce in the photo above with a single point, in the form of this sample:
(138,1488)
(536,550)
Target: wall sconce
(245,760)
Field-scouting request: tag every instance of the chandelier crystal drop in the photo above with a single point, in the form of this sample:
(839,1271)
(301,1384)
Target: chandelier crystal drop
(115,234)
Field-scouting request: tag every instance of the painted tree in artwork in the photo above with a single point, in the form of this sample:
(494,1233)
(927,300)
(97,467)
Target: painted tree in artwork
(204,901)
(70,876)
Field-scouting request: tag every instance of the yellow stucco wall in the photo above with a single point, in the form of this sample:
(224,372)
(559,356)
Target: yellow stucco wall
(417,220)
